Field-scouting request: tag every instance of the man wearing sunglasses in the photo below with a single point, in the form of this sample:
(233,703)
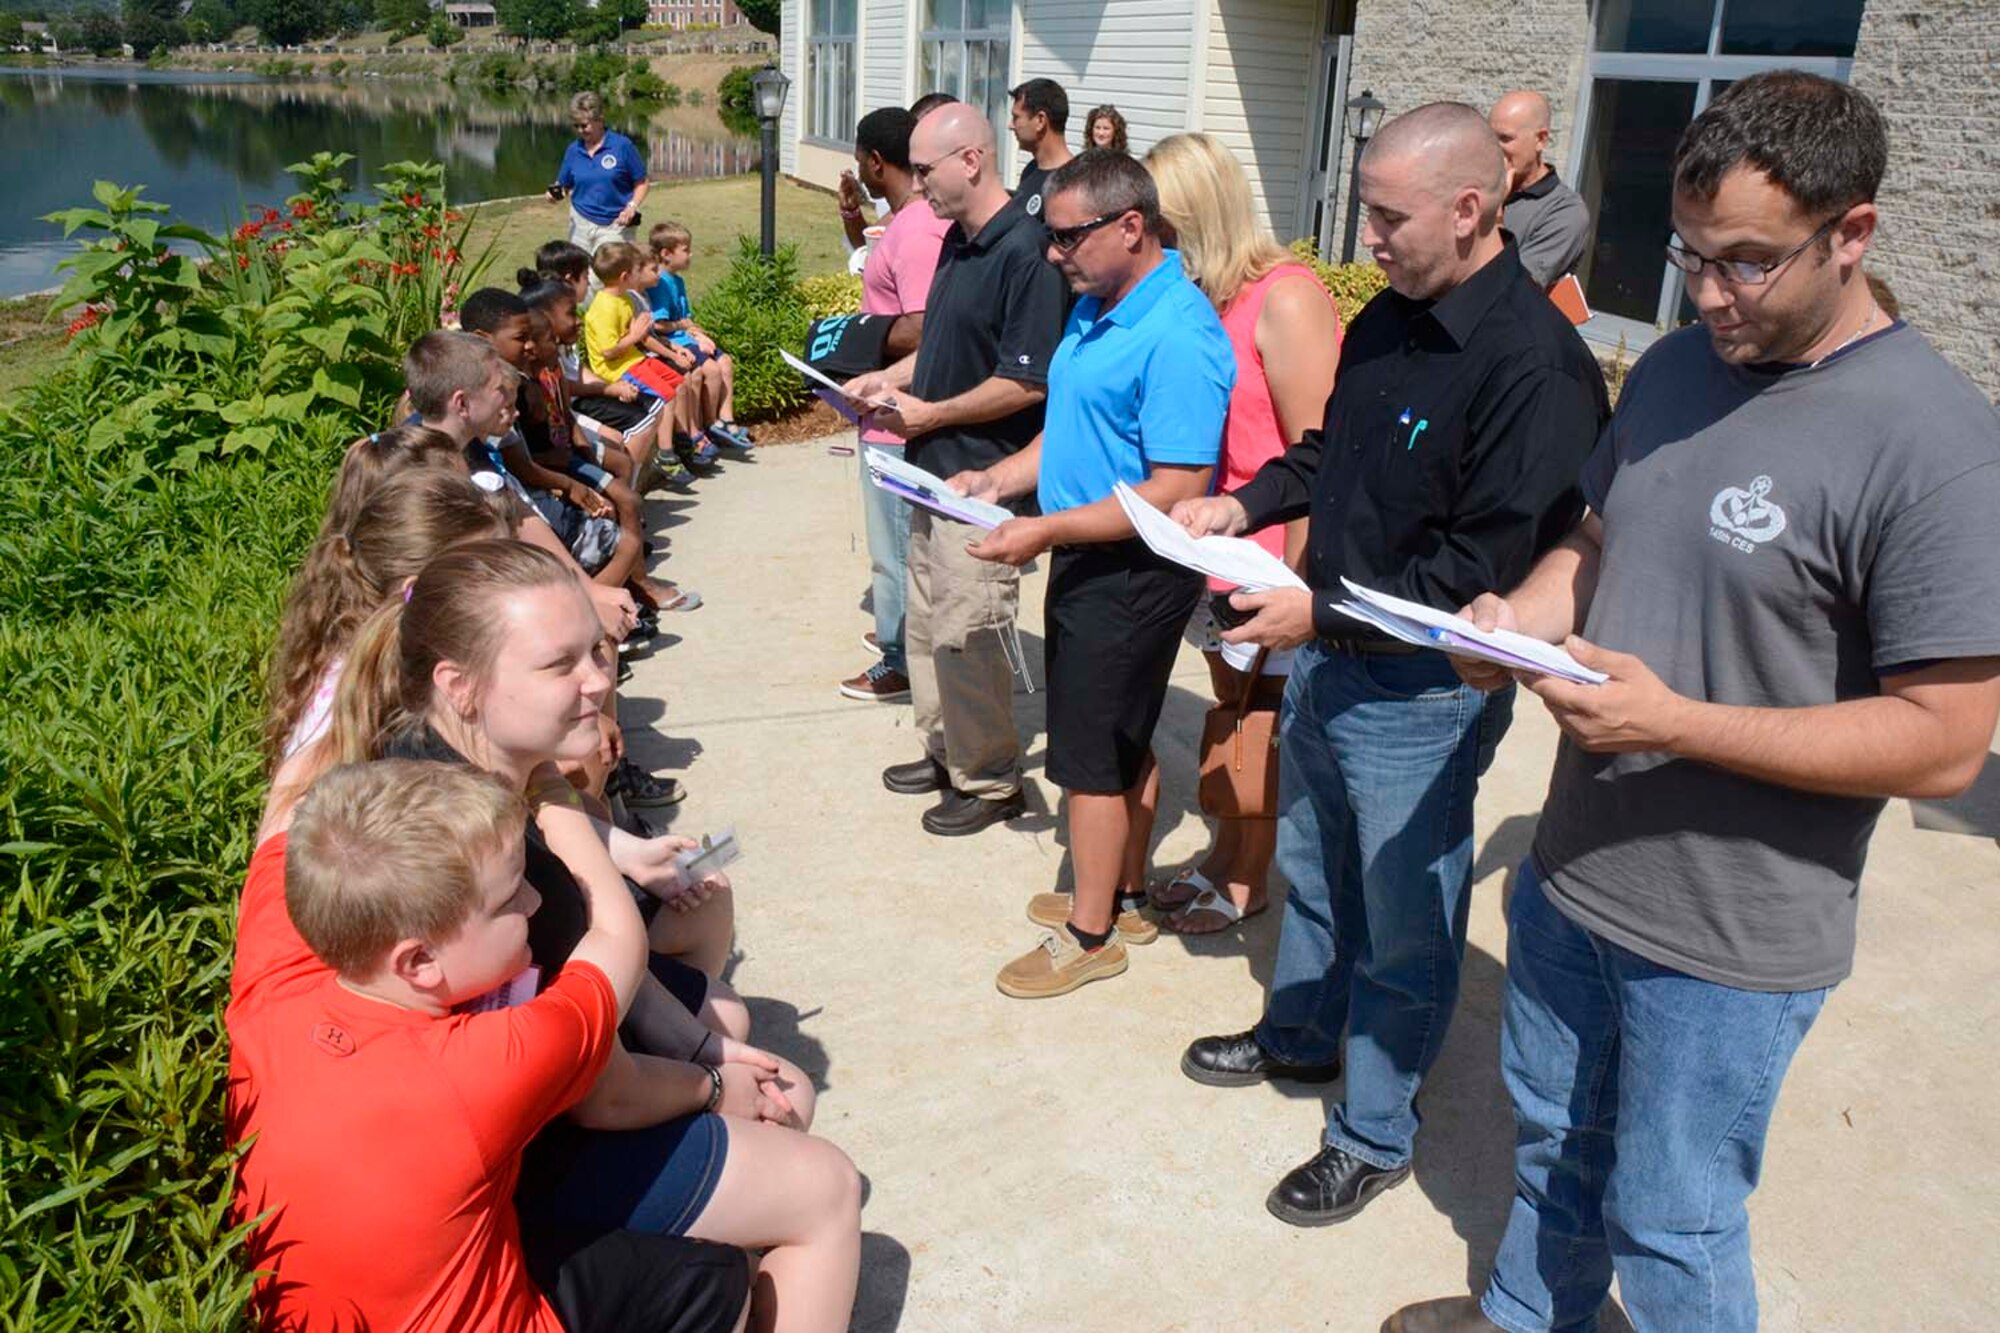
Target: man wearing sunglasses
(1137,393)
(969,396)
(1791,575)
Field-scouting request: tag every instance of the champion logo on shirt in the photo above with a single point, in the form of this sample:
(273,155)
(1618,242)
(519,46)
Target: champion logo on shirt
(1745,519)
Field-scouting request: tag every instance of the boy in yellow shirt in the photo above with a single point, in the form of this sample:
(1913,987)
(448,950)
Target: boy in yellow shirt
(616,327)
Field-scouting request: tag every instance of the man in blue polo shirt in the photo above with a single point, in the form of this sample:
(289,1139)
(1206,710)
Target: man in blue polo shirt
(605,175)
(1137,393)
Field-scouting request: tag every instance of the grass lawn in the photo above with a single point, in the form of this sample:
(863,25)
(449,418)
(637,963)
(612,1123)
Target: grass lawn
(716,211)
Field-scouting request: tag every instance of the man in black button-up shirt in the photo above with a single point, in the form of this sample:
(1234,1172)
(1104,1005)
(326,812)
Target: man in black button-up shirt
(1461,415)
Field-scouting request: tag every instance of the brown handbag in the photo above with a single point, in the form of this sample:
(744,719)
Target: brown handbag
(1239,756)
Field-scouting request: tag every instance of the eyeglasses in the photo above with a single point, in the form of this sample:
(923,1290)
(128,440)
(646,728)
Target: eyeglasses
(1743,272)
(1066,239)
(923,170)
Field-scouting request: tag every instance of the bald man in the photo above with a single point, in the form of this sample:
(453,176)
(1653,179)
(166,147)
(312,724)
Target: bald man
(1460,419)
(1549,222)
(969,397)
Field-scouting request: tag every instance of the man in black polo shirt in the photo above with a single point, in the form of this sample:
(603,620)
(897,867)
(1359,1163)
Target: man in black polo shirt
(1462,413)
(968,397)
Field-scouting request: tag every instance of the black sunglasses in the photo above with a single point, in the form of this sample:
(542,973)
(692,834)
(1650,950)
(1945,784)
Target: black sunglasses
(1066,239)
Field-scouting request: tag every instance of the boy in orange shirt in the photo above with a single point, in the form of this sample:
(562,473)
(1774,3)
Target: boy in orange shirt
(388,1112)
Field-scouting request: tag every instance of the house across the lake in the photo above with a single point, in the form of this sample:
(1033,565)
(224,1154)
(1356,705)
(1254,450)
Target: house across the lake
(1271,78)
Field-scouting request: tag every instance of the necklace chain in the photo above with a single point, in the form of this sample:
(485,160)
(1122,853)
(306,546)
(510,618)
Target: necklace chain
(1873,310)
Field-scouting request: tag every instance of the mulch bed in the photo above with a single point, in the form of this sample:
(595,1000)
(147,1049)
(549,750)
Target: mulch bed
(807,423)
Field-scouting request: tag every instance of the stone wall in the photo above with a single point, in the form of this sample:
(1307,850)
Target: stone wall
(1409,52)
(1931,66)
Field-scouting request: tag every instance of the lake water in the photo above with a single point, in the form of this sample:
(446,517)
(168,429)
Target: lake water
(210,143)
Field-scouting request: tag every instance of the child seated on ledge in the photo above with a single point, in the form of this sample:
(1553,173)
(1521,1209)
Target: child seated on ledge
(386,1112)
(616,327)
(673,323)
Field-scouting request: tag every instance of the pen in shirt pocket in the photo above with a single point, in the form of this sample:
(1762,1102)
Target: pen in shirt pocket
(1407,428)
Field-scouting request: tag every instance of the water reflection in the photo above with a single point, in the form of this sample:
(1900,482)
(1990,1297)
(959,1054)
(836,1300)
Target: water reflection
(210,144)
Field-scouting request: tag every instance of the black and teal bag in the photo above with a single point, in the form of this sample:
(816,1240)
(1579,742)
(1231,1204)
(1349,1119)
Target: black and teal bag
(843,346)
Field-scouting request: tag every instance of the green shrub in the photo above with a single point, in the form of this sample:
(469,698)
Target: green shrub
(141,571)
(1352,285)
(755,310)
(831,294)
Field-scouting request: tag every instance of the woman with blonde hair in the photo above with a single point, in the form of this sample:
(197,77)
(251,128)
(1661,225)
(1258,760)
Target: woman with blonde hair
(1286,332)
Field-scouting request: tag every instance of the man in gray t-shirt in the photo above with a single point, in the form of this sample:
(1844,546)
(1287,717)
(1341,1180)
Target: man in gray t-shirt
(1791,575)
(1549,222)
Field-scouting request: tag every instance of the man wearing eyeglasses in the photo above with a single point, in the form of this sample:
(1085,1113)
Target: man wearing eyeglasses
(968,397)
(1463,410)
(1791,575)
(1137,393)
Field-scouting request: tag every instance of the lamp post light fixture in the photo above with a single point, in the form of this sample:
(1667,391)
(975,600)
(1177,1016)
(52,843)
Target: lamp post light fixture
(768,88)
(1367,112)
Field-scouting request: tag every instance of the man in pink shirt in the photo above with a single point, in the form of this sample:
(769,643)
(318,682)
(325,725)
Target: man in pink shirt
(895,281)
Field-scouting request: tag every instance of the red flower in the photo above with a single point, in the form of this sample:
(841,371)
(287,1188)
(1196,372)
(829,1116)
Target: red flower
(436,253)
(303,208)
(248,231)
(413,201)
(90,316)
(271,215)
(433,231)
(243,261)
(453,215)
(451,255)
(284,226)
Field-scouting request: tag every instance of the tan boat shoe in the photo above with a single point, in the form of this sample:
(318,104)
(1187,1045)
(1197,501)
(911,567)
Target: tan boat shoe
(1058,965)
(1052,910)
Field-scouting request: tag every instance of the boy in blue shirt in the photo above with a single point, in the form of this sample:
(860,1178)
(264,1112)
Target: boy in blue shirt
(686,346)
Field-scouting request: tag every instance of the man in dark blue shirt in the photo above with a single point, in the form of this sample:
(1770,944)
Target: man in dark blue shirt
(1463,410)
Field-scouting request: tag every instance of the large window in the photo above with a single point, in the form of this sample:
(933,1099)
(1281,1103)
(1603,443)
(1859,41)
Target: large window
(964,49)
(830,71)
(1654,65)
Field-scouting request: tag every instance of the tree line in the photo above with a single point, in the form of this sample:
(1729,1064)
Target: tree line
(151,25)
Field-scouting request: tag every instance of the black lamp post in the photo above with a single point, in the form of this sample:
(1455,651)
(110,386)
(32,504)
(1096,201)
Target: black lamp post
(768,88)
(1367,119)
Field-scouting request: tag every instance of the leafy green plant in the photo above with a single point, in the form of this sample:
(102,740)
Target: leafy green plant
(1352,285)
(830,294)
(755,310)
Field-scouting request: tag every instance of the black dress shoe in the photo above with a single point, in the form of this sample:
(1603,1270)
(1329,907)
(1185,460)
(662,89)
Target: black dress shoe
(958,814)
(1331,1188)
(1237,1061)
(919,777)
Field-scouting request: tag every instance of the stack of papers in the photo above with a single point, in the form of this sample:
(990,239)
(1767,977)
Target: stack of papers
(828,390)
(1415,623)
(899,477)
(1232,559)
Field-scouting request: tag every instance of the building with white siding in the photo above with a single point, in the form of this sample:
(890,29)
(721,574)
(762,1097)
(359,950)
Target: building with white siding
(1271,79)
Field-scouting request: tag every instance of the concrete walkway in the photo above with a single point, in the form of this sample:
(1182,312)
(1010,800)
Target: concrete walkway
(1045,1164)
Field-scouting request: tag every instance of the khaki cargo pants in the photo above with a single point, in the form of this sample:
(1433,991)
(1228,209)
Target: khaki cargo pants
(960,681)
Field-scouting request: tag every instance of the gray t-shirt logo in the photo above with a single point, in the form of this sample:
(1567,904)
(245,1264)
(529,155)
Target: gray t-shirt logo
(1745,519)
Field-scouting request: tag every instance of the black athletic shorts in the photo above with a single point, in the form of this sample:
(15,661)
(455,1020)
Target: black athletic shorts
(615,413)
(625,1282)
(1112,618)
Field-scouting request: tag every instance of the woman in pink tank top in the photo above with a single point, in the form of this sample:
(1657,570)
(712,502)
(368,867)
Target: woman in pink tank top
(1286,332)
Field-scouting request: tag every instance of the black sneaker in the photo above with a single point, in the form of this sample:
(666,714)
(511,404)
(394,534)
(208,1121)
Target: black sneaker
(641,790)
(1332,1187)
(958,815)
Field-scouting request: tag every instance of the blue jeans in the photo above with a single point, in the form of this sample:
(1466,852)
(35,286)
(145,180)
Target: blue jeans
(1641,1099)
(888,527)
(1378,760)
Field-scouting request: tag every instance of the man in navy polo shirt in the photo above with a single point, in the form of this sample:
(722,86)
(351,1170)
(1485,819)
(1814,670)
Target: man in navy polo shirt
(1137,393)
(605,175)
